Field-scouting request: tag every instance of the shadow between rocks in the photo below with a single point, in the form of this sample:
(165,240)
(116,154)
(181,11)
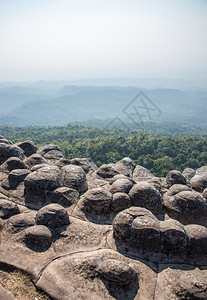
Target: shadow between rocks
(122,291)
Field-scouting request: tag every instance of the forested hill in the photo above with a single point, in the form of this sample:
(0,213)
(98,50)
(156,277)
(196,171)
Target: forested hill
(59,106)
(159,153)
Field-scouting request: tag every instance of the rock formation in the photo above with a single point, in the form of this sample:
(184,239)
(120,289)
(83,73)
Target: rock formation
(113,232)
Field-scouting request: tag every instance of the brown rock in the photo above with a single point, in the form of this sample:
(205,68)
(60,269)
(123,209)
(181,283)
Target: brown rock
(52,215)
(199,182)
(144,194)
(120,201)
(74,177)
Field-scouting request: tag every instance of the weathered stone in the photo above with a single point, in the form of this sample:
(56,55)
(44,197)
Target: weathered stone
(204,194)
(20,222)
(52,215)
(199,182)
(74,177)
(197,235)
(39,183)
(54,155)
(17,176)
(47,148)
(12,163)
(8,209)
(121,185)
(188,203)
(38,238)
(34,159)
(174,241)
(139,229)
(188,173)
(116,271)
(175,177)
(125,166)
(120,202)
(7,151)
(64,196)
(39,166)
(173,190)
(202,170)
(107,171)
(120,176)
(177,188)
(5,141)
(142,174)
(86,163)
(144,194)
(98,200)
(62,162)
(28,147)
(181,282)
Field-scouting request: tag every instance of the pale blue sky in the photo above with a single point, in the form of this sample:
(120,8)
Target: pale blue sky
(70,39)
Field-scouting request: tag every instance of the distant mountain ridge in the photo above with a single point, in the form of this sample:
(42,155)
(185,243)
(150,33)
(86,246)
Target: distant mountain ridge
(60,106)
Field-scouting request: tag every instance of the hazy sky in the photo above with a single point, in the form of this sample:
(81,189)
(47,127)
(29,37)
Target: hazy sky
(70,39)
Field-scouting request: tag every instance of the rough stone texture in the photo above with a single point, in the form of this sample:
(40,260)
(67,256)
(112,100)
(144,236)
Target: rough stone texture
(7,151)
(125,166)
(19,222)
(120,202)
(64,196)
(197,243)
(142,174)
(121,185)
(28,147)
(181,282)
(39,183)
(86,163)
(188,173)
(173,241)
(173,190)
(8,209)
(99,246)
(86,283)
(144,194)
(53,216)
(3,140)
(204,194)
(37,238)
(62,162)
(107,171)
(97,199)
(188,203)
(74,177)
(199,182)
(16,177)
(12,163)
(202,170)
(34,159)
(47,148)
(116,271)
(121,176)
(175,177)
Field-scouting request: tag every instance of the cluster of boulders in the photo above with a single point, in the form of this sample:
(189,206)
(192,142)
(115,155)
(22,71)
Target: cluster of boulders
(113,232)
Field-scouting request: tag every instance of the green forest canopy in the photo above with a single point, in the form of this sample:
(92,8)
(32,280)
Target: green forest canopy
(157,152)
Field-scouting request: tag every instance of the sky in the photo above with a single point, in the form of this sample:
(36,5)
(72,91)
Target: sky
(72,39)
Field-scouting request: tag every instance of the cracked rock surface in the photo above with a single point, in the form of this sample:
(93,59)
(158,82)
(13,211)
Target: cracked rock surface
(113,232)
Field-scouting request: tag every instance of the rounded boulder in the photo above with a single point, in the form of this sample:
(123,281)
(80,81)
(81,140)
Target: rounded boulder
(144,194)
(53,216)
(116,271)
(74,177)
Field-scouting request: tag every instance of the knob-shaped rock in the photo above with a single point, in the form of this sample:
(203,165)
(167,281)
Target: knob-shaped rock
(53,216)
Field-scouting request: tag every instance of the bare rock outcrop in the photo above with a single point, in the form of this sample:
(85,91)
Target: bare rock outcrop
(109,232)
